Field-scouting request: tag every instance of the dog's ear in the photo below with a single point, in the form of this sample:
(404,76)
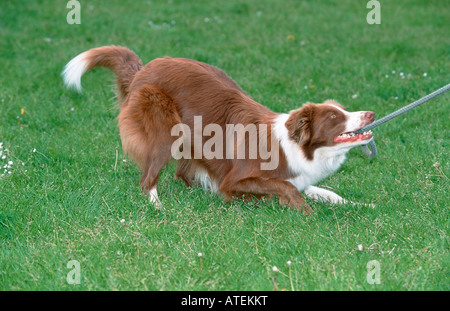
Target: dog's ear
(299,123)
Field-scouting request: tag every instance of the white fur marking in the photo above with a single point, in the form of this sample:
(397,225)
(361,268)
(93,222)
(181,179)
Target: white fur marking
(153,196)
(74,70)
(319,194)
(202,177)
(354,119)
(294,155)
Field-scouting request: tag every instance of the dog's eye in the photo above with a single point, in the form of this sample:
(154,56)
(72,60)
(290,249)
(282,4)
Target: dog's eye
(333,116)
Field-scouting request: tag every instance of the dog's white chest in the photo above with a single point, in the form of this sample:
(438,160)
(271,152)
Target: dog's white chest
(314,171)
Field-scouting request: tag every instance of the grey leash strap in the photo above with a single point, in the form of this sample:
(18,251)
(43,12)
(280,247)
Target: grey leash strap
(371,148)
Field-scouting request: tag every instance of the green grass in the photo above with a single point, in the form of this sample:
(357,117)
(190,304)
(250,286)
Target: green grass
(65,201)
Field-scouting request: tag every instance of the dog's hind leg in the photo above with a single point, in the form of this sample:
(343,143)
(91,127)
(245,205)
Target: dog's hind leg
(145,122)
(156,161)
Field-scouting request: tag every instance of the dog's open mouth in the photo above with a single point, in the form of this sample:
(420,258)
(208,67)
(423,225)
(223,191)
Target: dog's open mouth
(350,137)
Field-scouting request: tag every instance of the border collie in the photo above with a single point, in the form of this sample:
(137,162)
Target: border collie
(309,143)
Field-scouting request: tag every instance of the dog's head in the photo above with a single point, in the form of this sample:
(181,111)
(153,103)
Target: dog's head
(327,125)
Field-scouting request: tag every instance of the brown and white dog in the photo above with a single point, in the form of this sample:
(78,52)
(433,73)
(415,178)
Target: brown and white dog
(313,140)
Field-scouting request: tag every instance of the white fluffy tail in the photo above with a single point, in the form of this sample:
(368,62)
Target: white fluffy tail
(74,70)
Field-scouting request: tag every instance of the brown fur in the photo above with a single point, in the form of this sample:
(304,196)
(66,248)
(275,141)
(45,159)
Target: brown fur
(119,59)
(311,126)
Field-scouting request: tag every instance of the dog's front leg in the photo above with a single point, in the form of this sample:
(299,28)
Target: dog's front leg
(319,194)
(286,192)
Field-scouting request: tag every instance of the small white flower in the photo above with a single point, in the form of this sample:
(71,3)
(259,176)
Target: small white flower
(354,96)
(207,19)
(402,74)
(360,247)
(289,263)
(425,74)
(124,161)
(275,269)
(122,221)
(200,255)
(3,157)
(386,76)
(10,162)
(393,72)
(34,150)
(9,173)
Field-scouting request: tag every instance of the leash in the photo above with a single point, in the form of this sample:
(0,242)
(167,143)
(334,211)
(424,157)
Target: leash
(371,148)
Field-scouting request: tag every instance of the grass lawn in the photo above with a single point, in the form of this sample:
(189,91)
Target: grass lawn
(73,195)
